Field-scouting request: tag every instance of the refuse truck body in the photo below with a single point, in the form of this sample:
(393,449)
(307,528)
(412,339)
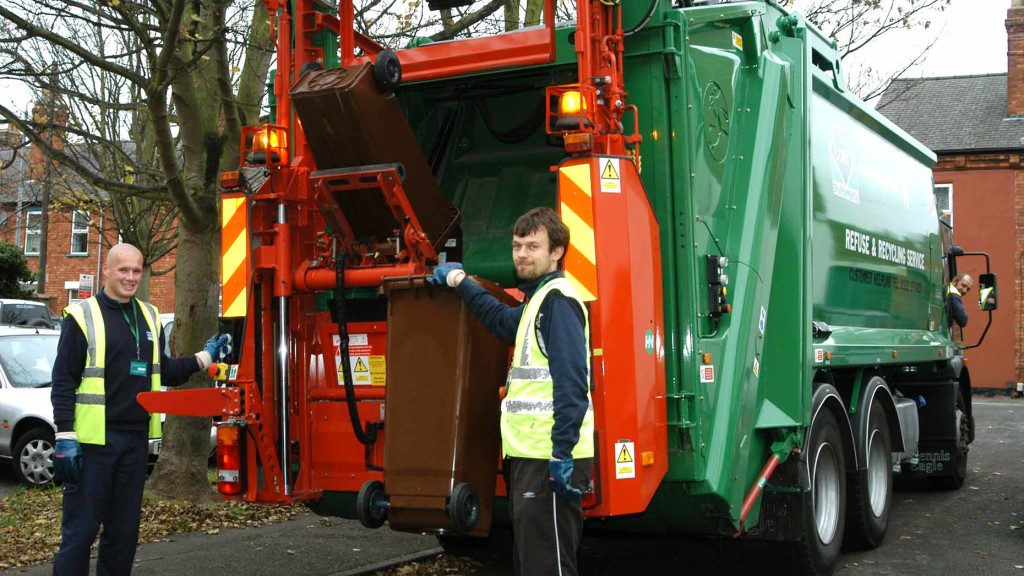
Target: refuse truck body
(760,253)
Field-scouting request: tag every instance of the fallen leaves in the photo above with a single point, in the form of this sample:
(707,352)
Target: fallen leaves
(440,566)
(30,522)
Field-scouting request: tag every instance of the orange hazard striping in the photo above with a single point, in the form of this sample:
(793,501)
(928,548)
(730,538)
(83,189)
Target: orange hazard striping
(234,255)
(577,210)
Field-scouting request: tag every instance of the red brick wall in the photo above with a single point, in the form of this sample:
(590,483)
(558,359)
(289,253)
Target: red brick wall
(63,267)
(984,187)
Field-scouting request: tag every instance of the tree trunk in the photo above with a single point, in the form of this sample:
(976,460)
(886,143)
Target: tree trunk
(142,293)
(181,471)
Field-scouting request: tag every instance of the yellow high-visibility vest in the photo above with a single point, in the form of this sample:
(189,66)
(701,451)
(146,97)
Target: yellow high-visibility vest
(90,397)
(528,411)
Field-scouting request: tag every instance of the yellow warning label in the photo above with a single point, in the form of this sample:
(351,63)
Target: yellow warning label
(378,370)
(610,180)
(625,466)
(360,366)
(609,171)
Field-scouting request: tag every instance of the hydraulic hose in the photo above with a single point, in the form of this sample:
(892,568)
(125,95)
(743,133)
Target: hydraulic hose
(755,491)
(643,21)
(368,436)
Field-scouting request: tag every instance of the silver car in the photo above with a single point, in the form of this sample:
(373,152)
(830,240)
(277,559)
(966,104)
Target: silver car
(26,415)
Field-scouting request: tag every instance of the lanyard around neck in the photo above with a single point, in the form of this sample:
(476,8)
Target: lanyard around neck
(133,326)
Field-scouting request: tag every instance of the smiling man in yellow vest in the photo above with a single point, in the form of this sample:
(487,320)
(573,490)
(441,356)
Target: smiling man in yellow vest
(110,349)
(547,420)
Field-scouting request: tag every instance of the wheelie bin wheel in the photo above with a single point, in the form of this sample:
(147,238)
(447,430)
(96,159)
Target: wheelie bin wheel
(387,71)
(464,508)
(372,504)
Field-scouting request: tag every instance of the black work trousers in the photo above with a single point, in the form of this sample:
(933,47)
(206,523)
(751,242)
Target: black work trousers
(109,493)
(546,528)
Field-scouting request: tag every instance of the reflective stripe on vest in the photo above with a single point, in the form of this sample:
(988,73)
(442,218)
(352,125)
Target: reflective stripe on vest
(527,412)
(90,397)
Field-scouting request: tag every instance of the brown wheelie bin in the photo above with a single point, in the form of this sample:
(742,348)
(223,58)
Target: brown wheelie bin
(441,448)
(350,122)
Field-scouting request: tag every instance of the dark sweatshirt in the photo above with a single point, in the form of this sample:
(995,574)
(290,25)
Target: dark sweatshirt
(122,409)
(561,331)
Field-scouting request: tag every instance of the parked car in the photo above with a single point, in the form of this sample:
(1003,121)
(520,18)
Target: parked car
(26,416)
(15,312)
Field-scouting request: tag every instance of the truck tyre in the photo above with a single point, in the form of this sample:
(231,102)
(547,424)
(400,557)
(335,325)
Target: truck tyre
(824,510)
(33,453)
(464,508)
(871,489)
(372,504)
(387,71)
(958,456)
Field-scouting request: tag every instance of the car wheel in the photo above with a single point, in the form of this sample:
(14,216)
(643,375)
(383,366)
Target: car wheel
(33,457)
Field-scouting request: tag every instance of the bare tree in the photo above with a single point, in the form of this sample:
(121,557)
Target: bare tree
(157,93)
(855,24)
(166,65)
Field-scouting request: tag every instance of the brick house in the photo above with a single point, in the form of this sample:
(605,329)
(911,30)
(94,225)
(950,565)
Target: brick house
(77,241)
(975,125)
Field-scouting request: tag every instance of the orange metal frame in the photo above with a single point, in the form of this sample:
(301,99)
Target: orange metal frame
(289,259)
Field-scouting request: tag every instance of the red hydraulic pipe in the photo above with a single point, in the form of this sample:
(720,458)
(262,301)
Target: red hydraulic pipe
(755,491)
(318,279)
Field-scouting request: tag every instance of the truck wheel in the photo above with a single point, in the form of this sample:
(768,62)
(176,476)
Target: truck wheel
(824,512)
(464,508)
(372,504)
(871,488)
(958,458)
(33,453)
(387,71)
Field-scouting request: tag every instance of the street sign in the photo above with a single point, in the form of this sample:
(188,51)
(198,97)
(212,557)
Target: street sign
(85,286)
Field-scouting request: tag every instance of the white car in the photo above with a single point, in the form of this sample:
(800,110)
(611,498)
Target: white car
(26,415)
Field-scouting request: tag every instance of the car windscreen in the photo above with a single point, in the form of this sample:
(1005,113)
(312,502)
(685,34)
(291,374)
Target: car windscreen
(27,360)
(25,314)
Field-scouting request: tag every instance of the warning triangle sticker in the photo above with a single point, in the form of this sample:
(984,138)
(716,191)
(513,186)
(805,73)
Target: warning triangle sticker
(624,456)
(360,366)
(609,172)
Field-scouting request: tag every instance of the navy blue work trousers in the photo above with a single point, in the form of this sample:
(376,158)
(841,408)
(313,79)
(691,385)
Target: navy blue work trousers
(110,493)
(546,528)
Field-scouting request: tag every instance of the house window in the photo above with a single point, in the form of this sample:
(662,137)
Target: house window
(73,297)
(944,202)
(79,233)
(33,226)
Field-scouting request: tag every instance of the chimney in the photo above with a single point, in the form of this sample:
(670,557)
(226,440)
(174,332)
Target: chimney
(48,112)
(1015,59)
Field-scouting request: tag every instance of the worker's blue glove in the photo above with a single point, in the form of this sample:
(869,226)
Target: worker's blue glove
(561,473)
(67,461)
(440,275)
(217,345)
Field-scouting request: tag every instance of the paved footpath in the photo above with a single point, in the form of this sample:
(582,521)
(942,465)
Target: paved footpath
(307,545)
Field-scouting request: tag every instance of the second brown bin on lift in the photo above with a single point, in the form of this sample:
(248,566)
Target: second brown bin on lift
(442,438)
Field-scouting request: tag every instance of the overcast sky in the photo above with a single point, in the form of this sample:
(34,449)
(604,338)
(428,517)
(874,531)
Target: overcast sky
(971,39)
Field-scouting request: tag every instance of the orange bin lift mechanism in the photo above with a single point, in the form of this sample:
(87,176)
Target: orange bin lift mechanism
(234,272)
(626,329)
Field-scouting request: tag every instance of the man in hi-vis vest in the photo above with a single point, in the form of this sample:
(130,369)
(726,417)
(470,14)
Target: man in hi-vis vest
(547,420)
(110,350)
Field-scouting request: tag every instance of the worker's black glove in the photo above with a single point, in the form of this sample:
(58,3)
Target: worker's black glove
(67,461)
(447,274)
(561,474)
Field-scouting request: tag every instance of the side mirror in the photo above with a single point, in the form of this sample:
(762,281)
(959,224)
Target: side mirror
(988,297)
